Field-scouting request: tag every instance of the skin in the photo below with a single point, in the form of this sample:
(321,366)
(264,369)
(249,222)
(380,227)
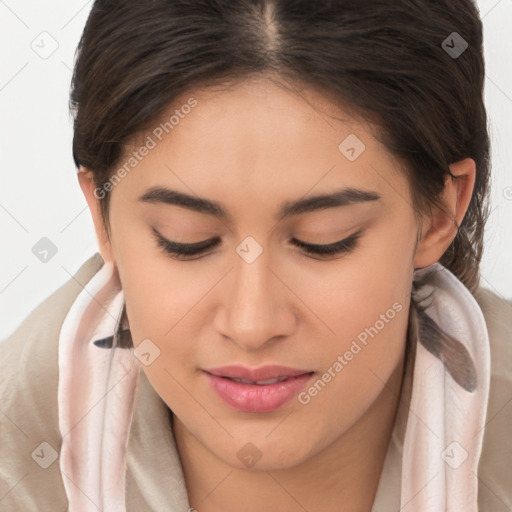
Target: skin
(252,147)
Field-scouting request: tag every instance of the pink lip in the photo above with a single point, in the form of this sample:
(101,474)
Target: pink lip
(256,397)
(263,373)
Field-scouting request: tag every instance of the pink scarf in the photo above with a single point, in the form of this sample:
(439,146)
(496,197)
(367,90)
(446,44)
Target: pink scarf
(445,422)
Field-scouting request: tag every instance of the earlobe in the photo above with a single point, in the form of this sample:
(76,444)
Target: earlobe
(85,179)
(442,227)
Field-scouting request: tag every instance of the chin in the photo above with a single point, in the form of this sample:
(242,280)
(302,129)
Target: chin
(269,455)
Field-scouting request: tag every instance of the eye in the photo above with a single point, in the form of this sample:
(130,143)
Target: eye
(178,250)
(341,247)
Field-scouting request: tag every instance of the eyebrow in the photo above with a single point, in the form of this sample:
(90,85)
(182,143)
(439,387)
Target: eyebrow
(342,197)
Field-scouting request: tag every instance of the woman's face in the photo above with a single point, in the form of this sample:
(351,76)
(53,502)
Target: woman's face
(254,298)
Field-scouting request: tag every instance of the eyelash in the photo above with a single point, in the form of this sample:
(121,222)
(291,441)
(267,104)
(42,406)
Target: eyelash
(185,251)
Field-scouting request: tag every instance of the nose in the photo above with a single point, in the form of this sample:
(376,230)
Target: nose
(257,306)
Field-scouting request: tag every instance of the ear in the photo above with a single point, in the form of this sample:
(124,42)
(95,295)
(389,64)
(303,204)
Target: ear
(85,178)
(440,230)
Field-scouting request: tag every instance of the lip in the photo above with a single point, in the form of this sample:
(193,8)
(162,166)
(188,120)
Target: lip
(262,373)
(257,397)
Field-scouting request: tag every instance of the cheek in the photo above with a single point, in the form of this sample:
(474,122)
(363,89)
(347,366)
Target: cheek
(165,305)
(368,288)
(357,360)
(158,290)
(366,309)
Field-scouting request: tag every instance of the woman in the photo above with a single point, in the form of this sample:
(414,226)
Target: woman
(289,199)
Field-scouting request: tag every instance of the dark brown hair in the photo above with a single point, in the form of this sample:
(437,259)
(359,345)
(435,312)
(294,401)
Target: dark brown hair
(389,60)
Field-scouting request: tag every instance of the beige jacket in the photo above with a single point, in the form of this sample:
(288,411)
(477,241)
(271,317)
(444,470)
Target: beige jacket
(154,477)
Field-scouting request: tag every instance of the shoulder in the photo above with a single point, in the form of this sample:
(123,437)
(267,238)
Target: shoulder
(497,311)
(495,471)
(29,467)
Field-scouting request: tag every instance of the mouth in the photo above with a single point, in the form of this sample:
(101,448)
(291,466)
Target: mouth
(261,374)
(257,383)
(261,390)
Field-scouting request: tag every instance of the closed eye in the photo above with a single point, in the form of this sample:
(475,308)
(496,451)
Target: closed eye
(343,246)
(178,250)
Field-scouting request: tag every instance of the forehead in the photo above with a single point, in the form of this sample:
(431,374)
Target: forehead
(257,140)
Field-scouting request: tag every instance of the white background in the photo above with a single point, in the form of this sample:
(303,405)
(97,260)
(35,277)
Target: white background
(39,192)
